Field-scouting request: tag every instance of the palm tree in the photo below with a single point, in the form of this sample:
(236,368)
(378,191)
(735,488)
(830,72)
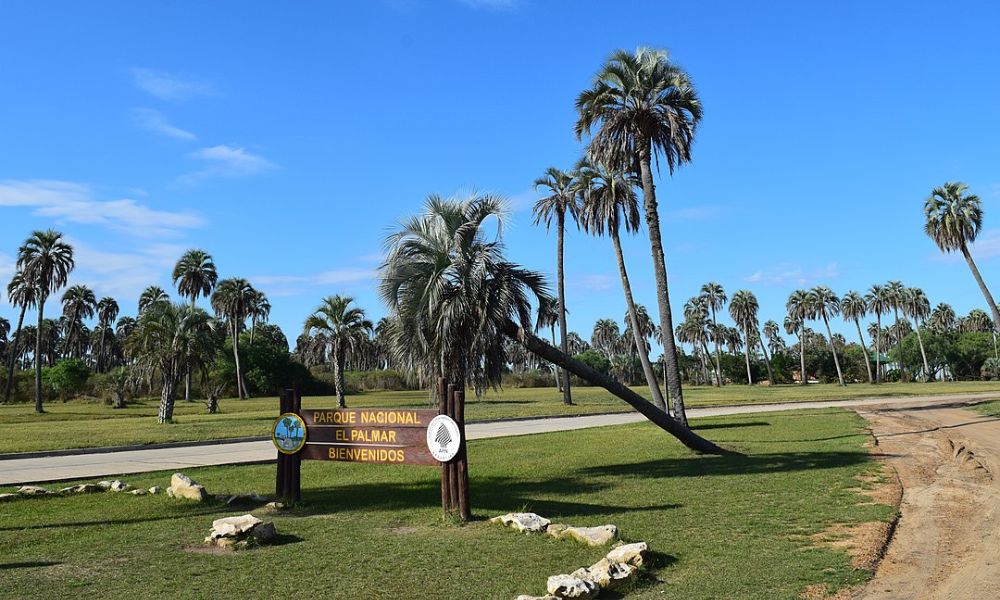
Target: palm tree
(771,332)
(605,336)
(643,106)
(715,299)
(878,303)
(78,303)
(548,317)
(743,310)
(854,308)
(823,304)
(954,220)
(194,275)
(46,261)
(610,204)
(231,301)
(150,296)
(559,204)
(259,311)
(916,305)
(107,312)
(798,308)
(942,318)
(168,338)
(344,328)
(895,293)
(24,295)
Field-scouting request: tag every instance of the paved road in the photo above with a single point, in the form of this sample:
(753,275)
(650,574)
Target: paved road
(83,466)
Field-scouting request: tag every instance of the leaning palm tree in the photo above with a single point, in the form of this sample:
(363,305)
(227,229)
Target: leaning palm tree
(878,303)
(78,303)
(642,106)
(167,339)
(548,317)
(344,327)
(954,220)
(107,312)
(46,261)
(194,275)
(823,304)
(456,298)
(798,307)
(895,293)
(942,318)
(24,295)
(715,299)
(560,204)
(917,306)
(743,309)
(609,205)
(152,295)
(854,308)
(230,301)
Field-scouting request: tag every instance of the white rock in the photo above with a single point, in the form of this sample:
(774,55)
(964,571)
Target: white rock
(182,486)
(526,522)
(568,586)
(83,488)
(632,554)
(104,485)
(5,497)
(155,490)
(233,527)
(608,575)
(139,492)
(33,490)
(592,536)
(118,486)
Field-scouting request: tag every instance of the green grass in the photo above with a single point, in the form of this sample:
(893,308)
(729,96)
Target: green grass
(81,424)
(720,527)
(990,408)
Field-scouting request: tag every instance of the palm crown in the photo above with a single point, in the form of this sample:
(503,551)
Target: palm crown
(195,274)
(46,260)
(954,217)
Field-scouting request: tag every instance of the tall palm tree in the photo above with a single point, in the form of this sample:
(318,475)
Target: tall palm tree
(798,308)
(642,106)
(231,301)
(715,299)
(771,331)
(916,305)
(942,318)
(743,310)
(24,295)
(605,336)
(558,205)
(107,312)
(167,338)
(46,261)
(152,295)
(879,303)
(194,275)
(954,220)
(260,310)
(78,303)
(854,308)
(823,304)
(610,204)
(344,327)
(895,293)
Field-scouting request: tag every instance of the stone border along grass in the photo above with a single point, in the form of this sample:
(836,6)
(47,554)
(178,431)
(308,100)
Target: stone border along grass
(616,570)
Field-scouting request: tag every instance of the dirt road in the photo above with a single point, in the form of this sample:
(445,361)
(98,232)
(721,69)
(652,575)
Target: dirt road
(947,542)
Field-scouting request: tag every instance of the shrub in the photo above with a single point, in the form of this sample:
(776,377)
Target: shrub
(68,378)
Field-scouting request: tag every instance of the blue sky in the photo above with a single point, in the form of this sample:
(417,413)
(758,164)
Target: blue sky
(287,140)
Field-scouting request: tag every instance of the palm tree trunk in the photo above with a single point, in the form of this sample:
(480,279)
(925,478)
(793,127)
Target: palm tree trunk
(746,353)
(555,369)
(240,386)
(864,349)
(982,286)
(338,376)
(674,389)
(803,378)
(718,353)
(899,347)
(647,368)
(923,355)
(836,361)
(658,417)
(767,361)
(14,345)
(166,411)
(560,276)
(38,357)
(878,348)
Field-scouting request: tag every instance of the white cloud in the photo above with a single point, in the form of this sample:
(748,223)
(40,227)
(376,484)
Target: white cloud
(784,274)
(70,202)
(523,201)
(154,121)
(226,161)
(332,277)
(123,275)
(166,86)
(594,282)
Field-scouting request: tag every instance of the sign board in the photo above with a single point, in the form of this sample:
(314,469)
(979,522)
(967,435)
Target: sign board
(376,435)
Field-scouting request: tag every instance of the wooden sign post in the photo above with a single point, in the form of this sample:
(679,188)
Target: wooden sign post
(374,435)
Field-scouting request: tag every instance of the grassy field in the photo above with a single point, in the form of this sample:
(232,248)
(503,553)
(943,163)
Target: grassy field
(82,424)
(720,527)
(990,408)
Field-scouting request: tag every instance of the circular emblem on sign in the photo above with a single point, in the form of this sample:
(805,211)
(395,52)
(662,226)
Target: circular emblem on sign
(443,438)
(289,433)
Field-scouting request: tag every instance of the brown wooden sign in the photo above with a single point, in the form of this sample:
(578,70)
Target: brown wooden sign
(371,435)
